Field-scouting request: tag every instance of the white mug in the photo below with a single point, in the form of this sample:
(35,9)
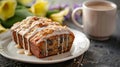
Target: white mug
(98,18)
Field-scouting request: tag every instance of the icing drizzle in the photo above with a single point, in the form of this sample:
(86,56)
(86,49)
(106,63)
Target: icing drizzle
(62,43)
(46,50)
(58,43)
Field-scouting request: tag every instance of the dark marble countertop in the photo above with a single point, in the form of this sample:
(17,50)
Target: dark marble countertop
(100,54)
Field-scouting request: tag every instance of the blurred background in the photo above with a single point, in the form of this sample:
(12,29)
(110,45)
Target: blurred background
(71,2)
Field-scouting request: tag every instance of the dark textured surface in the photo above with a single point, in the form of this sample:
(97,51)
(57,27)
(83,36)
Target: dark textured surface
(100,54)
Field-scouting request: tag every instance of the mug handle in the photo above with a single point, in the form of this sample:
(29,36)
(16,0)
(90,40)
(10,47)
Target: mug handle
(73,17)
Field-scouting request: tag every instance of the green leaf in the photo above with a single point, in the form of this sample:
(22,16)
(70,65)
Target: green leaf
(20,14)
(50,12)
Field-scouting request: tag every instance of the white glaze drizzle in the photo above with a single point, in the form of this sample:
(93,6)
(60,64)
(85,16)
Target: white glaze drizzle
(58,41)
(17,38)
(29,42)
(18,46)
(21,51)
(23,43)
(62,43)
(46,50)
(58,44)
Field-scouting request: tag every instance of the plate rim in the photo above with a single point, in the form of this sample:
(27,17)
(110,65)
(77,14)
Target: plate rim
(3,53)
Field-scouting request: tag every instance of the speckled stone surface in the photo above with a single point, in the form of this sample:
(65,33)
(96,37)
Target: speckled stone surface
(100,53)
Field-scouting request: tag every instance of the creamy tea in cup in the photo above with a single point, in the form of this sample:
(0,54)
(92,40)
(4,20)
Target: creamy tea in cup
(98,18)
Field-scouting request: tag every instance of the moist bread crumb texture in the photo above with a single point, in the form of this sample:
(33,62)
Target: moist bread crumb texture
(41,37)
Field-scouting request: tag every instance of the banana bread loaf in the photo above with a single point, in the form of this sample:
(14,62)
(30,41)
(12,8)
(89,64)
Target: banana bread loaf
(41,37)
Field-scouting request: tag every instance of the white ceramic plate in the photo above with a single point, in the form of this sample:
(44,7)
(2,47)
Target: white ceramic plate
(7,49)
